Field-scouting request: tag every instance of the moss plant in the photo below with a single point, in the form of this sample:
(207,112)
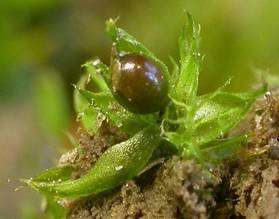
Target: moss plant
(193,125)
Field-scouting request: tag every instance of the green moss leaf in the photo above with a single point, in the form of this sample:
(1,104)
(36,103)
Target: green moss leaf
(219,150)
(184,86)
(94,79)
(104,104)
(219,112)
(198,120)
(97,73)
(92,106)
(98,103)
(119,163)
(185,81)
(89,119)
(125,43)
(54,174)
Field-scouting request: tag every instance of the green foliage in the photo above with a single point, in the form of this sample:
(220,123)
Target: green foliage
(194,125)
(54,174)
(89,116)
(220,111)
(200,119)
(94,107)
(119,163)
(186,81)
(125,43)
(219,150)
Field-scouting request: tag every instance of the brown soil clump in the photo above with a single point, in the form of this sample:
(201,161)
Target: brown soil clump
(255,180)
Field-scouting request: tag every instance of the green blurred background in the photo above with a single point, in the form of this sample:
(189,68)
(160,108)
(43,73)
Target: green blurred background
(43,44)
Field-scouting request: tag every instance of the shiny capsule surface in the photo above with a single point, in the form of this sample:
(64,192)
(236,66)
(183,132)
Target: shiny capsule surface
(139,84)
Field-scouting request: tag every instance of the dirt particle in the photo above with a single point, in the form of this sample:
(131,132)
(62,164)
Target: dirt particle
(276,182)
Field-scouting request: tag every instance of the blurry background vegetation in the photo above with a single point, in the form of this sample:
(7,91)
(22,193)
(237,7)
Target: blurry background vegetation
(43,43)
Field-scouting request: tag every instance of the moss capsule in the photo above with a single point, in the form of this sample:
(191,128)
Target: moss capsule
(140,85)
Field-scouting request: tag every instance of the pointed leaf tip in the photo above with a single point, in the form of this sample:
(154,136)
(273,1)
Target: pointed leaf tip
(111,28)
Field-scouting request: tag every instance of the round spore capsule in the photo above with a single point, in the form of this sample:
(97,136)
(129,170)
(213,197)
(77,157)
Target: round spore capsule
(139,84)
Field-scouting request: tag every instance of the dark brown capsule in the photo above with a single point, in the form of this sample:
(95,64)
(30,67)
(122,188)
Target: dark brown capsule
(139,84)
